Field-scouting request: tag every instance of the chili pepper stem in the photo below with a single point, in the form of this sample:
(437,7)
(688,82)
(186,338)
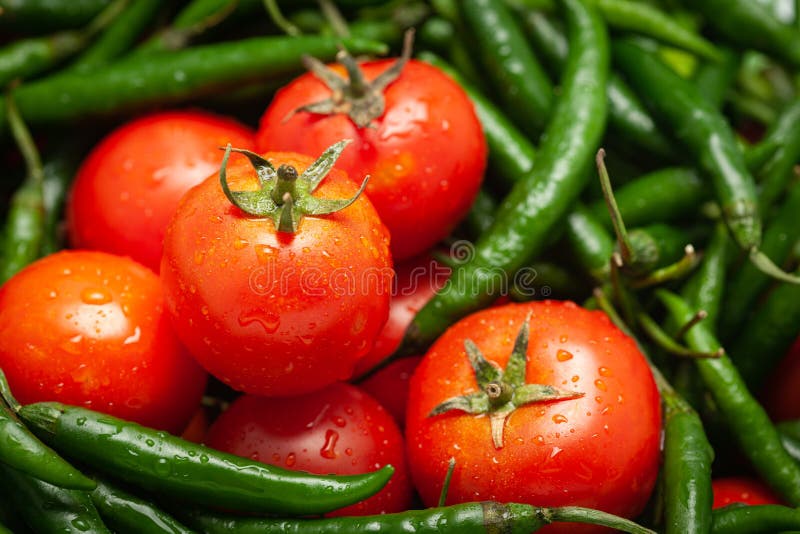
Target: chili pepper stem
(625,246)
(280,21)
(5,392)
(671,272)
(668,344)
(451,466)
(764,264)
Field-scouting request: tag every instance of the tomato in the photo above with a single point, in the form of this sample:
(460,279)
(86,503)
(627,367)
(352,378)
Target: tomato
(415,283)
(339,429)
(425,154)
(88,328)
(782,395)
(741,490)
(599,450)
(128,187)
(389,386)
(276,313)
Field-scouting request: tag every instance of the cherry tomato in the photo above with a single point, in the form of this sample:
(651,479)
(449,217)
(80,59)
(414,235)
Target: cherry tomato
(128,188)
(339,429)
(415,283)
(599,450)
(425,155)
(88,328)
(782,395)
(389,386)
(741,490)
(276,313)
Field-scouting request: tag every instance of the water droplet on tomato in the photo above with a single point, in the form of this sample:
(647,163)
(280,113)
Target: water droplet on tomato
(575,378)
(291,459)
(604,371)
(269,321)
(539,440)
(339,421)
(563,339)
(559,418)
(240,243)
(96,296)
(328,449)
(599,384)
(563,355)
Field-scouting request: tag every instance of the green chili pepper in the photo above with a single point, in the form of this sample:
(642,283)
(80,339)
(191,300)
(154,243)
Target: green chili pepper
(709,139)
(705,288)
(589,242)
(748,282)
(666,195)
(41,16)
(714,79)
(541,198)
(24,227)
(163,463)
(628,119)
(638,17)
(49,509)
(129,514)
(478,517)
(25,453)
(481,214)
(751,25)
(27,57)
(755,519)
(512,68)
(149,79)
(775,174)
(757,437)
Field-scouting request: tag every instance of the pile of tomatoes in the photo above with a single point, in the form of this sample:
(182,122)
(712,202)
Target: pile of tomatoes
(168,281)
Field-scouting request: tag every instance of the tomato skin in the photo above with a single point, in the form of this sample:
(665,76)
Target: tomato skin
(127,189)
(274,313)
(425,155)
(585,451)
(782,394)
(741,490)
(88,328)
(389,386)
(339,429)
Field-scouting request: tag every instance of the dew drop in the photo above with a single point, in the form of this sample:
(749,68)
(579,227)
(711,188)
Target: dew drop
(599,384)
(563,355)
(96,296)
(328,449)
(559,418)
(291,459)
(604,371)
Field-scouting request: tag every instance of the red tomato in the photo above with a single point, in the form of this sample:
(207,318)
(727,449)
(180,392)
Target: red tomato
(276,313)
(425,154)
(390,386)
(782,395)
(741,490)
(415,283)
(128,188)
(600,450)
(339,429)
(88,328)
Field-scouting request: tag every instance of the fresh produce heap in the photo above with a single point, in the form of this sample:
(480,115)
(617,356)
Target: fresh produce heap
(400,266)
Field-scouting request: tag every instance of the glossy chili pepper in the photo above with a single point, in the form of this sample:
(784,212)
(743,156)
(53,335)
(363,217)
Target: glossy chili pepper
(751,25)
(160,462)
(628,119)
(543,196)
(174,77)
(50,509)
(776,173)
(757,437)
(748,282)
(41,16)
(481,214)
(755,519)
(24,226)
(27,57)
(478,518)
(590,242)
(129,514)
(25,453)
(704,290)
(515,73)
(715,78)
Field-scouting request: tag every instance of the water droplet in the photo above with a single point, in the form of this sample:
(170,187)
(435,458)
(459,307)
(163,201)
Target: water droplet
(604,371)
(328,449)
(269,321)
(240,243)
(563,355)
(95,296)
(265,253)
(539,440)
(339,421)
(133,338)
(162,467)
(150,442)
(575,378)
(598,399)
(80,421)
(291,459)
(348,451)
(599,384)
(563,339)
(559,418)
(555,451)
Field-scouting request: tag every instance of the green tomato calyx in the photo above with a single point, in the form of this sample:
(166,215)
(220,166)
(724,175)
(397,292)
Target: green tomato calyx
(355,97)
(502,390)
(284,195)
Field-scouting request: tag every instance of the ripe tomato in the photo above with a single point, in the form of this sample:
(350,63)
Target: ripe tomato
(425,154)
(600,450)
(276,313)
(741,490)
(389,386)
(339,429)
(88,328)
(782,395)
(128,188)
(415,283)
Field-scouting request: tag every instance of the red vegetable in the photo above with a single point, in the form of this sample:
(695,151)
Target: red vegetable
(741,490)
(88,328)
